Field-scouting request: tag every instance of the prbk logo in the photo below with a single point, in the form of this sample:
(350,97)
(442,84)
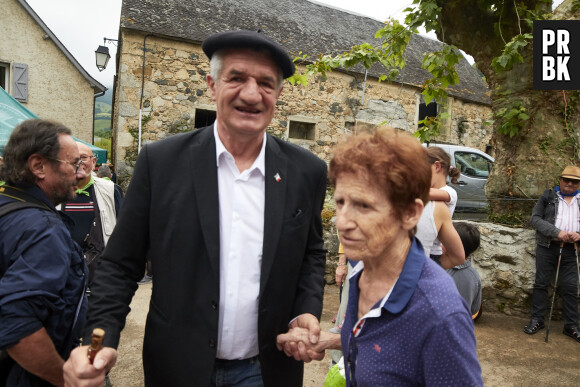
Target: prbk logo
(557,54)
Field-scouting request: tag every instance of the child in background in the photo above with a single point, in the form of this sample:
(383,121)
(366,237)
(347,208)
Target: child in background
(465,276)
(441,168)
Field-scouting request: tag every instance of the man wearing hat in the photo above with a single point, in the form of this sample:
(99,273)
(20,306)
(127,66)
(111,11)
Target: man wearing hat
(556,218)
(230,217)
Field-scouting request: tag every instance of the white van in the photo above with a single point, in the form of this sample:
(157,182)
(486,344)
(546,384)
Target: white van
(475,167)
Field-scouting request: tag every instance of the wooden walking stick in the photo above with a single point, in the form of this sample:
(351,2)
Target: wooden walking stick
(96,343)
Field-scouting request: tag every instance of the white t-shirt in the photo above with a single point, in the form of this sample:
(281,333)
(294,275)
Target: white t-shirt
(426,229)
(436,248)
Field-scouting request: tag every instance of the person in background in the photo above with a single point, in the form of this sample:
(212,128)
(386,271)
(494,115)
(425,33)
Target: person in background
(94,210)
(104,172)
(113,173)
(465,276)
(42,270)
(435,222)
(405,324)
(441,168)
(231,219)
(556,218)
(343,270)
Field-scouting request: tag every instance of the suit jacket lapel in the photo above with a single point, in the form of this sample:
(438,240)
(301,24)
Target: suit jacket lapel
(206,193)
(276,184)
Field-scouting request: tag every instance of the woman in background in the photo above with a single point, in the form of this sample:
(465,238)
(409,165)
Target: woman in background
(441,168)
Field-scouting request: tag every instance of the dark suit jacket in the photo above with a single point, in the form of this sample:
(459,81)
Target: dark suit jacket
(171,213)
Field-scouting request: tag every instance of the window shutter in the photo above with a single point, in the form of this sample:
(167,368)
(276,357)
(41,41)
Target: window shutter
(20,84)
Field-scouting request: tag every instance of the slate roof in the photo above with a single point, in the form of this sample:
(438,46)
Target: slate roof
(298,25)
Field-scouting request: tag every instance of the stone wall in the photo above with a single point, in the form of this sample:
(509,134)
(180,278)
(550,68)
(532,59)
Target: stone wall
(340,104)
(505,261)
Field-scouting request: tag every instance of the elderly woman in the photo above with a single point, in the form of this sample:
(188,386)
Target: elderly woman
(405,324)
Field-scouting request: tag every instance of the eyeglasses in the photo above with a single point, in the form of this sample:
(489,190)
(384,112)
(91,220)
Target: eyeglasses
(76,165)
(85,158)
(351,359)
(566,180)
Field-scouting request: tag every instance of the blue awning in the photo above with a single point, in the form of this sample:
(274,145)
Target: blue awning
(13,113)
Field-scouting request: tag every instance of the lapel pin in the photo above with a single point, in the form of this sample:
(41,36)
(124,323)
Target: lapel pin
(277,177)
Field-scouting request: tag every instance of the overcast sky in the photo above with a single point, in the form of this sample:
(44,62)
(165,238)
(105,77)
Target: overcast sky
(81,25)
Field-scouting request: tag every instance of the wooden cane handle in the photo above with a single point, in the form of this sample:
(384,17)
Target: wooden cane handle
(96,343)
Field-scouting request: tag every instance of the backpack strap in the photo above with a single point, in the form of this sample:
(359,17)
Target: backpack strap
(14,206)
(22,200)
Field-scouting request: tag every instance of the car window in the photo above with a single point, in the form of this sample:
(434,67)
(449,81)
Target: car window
(473,164)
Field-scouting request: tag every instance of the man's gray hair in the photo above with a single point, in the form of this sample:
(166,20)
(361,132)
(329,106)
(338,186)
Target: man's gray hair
(216,62)
(30,137)
(104,171)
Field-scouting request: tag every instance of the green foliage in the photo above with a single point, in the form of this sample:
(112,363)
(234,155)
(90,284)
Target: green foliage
(441,64)
(179,126)
(103,128)
(426,14)
(132,152)
(104,143)
(545,144)
(566,143)
(568,109)
(511,53)
(389,54)
(428,127)
(103,107)
(512,219)
(575,6)
(511,118)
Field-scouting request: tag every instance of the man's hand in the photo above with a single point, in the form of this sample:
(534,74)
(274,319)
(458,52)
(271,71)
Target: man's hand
(574,237)
(309,334)
(308,321)
(313,351)
(296,343)
(79,372)
(564,236)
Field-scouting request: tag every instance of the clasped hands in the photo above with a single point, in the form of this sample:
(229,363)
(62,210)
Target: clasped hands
(305,342)
(568,237)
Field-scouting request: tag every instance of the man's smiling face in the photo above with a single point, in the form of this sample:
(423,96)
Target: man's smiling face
(245,93)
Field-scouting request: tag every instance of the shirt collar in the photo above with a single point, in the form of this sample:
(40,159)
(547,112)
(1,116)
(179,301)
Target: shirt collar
(220,149)
(467,263)
(405,286)
(39,194)
(85,189)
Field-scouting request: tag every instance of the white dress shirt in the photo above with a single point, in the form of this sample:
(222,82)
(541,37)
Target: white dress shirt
(568,216)
(241,209)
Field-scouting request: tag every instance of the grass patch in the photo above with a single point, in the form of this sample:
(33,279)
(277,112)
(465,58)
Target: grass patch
(104,143)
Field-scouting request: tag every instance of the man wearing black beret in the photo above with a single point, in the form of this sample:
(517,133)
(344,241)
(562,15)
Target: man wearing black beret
(230,217)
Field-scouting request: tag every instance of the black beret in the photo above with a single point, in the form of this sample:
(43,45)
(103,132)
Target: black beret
(249,39)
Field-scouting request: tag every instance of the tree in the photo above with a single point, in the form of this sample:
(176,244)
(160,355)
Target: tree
(536,133)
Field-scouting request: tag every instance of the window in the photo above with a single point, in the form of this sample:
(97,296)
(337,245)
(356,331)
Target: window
(302,130)
(427,111)
(4,76)
(204,118)
(473,164)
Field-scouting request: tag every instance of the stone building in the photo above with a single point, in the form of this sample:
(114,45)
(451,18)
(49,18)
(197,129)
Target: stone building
(161,76)
(39,72)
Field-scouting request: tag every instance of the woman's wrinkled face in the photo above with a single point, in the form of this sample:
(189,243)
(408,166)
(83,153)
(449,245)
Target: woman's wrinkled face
(366,221)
